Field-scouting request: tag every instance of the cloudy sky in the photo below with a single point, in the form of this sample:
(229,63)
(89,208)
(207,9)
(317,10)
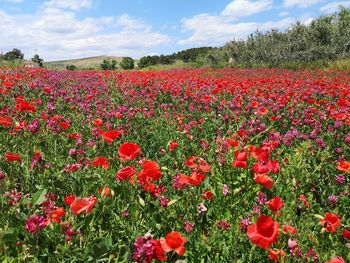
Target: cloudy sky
(62,29)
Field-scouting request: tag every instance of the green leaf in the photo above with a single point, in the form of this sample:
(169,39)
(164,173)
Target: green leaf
(141,201)
(173,201)
(107,242)
(318,216)
(9,236)
(26,201)
(39,197)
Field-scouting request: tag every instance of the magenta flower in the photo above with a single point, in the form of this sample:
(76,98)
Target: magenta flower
(35,223)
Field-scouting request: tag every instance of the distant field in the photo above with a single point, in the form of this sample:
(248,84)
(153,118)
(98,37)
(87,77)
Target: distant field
(177,65)
(83,63)
(94,63)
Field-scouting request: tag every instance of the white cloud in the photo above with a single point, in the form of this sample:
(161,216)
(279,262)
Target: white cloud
(300,3)
(69,4)
(14,1)
(240,8)
(128,23)
(216,30)
(333,7)
(283,14)
(59,34)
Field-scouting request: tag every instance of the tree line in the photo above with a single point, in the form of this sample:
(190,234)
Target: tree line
(326,38)
(192,55)
(17,55)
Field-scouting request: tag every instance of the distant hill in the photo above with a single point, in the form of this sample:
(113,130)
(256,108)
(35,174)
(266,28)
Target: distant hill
(82,63)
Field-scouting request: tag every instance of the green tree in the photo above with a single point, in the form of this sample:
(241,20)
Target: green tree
(71,67)
(13,55)
(144,62)
(127,63)
(325,39)
(109,64)
(38,59)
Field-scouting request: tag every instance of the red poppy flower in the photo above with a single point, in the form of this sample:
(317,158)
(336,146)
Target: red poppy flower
(105,192)
(151,170)
(191,162)
(101,161)
(346,234)
(173,241)
(65,125)
(24,106)
(184,179)
(264,233)
(98,122)
(7,84)
(260,154)
(69,199)
(331,222)
(274,166)
(173,145)
(232,143)
(158,252)
(20,126)
(109,136)
(336,259)
(275,254)
(74,136)
(261,168)
(12,157)
(125,173)
(128,151)
(57,214)
(118,115)
(303,199)
(241,160)
(196,178)
(147,186)
(203,166)
(47,89)
(287,229)
(344,166)
(207,195)
(83,205)
(254,104)
(275,204)
(263,111)
(4,91)
(6,121)
(263,180)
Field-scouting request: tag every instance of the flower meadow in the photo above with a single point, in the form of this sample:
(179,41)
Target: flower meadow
(200,165)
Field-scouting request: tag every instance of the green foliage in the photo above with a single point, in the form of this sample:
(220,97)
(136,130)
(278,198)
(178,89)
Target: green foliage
(193,54)
(11,64)
(127,63)
(155,60)
(196,56)
(13,55)
(109,64)
(39,60)
(325,39)
(71,67)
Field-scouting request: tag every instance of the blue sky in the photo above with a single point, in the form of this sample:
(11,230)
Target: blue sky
(62,29)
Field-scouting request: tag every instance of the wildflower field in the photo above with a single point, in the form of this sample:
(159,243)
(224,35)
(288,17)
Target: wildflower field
(194,165)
